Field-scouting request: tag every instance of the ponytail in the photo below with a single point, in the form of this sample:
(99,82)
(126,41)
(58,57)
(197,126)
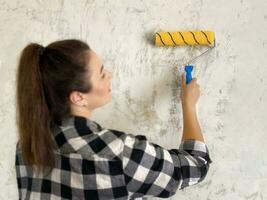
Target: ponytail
(33,117)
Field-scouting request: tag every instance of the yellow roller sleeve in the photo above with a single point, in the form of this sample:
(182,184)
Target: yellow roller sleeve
(184,38)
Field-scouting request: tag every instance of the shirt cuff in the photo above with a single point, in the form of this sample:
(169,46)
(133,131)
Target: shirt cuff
(196,148)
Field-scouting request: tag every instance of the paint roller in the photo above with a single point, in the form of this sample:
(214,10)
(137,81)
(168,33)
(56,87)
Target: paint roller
(191,38)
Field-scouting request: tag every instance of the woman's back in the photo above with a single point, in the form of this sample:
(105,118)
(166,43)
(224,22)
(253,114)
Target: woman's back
(97,163)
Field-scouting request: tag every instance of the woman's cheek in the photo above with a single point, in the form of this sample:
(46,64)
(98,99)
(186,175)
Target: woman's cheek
(101,91)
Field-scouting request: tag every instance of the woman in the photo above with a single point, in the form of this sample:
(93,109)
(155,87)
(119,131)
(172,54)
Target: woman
(63,154)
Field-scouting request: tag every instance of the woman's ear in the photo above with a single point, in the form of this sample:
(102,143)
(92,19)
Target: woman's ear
(78,98)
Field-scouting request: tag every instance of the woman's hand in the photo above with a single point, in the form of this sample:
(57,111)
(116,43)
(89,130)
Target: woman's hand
(189,92)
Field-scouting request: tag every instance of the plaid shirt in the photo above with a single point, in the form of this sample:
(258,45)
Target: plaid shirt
(93,162)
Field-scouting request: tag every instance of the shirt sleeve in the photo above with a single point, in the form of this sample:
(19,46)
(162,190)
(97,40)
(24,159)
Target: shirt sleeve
(151,170)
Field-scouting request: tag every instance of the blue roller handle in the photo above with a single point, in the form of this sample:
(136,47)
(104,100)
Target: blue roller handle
(188,69)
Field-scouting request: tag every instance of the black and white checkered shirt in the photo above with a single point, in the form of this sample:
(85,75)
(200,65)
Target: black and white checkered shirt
(93,162)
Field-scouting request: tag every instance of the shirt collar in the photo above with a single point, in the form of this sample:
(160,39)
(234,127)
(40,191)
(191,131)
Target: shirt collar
(74,126)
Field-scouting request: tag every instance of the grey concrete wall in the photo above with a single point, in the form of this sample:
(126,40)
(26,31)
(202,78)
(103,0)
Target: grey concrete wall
(233,79)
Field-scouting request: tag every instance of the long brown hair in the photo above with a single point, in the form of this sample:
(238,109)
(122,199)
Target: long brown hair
(45,78)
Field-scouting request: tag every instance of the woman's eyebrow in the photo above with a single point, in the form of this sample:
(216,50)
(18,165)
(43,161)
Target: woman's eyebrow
(101,69)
